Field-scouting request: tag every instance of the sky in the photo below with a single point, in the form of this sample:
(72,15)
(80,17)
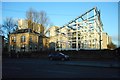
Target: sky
(60,13)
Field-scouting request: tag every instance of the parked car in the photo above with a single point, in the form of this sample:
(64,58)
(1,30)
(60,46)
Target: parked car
(58,56)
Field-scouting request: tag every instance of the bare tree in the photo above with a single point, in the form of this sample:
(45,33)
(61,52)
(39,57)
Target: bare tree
(111,46)
(9,26)
(47,28)
(37,17)
(29,14)
(44,20)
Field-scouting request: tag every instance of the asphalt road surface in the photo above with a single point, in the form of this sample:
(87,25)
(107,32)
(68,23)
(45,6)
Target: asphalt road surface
(44,68)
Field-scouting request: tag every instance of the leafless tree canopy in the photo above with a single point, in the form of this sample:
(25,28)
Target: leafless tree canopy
(43,18)
(37,17)
(9,26)
(29,14)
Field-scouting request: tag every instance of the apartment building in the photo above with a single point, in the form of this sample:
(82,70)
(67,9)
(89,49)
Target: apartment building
(106,39)
(83,32)
(71,39)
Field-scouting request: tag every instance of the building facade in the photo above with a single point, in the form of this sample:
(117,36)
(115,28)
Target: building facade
(27,24)
(67,39)
(83,32)
(28,37)
(52,37)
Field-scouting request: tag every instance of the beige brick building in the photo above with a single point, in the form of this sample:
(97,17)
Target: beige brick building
(53,37)
(28,37)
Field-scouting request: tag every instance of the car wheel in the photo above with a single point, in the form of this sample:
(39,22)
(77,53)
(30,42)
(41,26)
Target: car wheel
(51,58)
(63,59)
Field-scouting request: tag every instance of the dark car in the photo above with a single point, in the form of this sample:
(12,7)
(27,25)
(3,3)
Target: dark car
(58,56)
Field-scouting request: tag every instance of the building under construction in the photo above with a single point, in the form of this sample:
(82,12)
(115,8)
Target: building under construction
(83,32)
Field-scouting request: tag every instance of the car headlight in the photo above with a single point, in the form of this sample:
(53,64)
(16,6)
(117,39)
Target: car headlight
(66,56)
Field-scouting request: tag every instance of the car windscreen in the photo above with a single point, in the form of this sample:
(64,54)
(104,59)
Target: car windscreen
(61,53)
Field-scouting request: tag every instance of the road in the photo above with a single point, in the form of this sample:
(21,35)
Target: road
(44,68)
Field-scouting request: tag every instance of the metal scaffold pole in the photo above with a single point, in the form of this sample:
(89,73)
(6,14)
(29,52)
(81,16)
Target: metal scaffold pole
(77,35)
(88,26)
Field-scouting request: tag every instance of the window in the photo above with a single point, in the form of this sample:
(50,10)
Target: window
(79,34)
(69,34)
(90,36)
(35,47)
(23,38)
(30,47)
(13,38)
(89,30)
(90,41)
(12,47)
(95,39)
(73,45)
(79,27)
(91,26)
(30,38)
(90,45)
(92,29)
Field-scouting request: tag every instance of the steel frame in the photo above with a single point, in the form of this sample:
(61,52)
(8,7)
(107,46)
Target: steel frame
(79,31)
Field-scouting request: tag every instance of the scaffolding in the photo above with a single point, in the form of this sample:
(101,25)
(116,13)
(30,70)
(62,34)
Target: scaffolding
(83,32)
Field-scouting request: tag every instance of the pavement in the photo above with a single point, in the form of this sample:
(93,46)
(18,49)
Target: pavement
(107,64)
